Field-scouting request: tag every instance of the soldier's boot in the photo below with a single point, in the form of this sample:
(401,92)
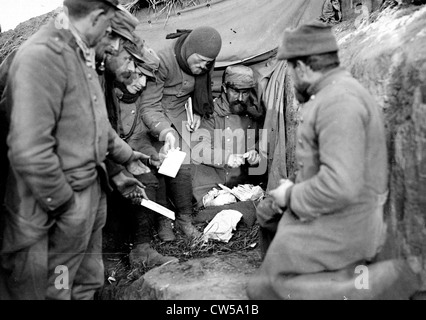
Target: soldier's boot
(184,224)
(165,230)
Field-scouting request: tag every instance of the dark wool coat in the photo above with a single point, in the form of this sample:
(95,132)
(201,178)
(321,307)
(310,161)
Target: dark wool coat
(337,200)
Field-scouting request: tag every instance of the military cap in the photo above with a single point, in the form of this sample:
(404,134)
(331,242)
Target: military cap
(145,58)
(124,23)
(239,77)
(312,38)
(112,3)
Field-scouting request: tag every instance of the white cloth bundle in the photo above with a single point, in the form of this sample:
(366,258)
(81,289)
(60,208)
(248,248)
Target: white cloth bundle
(222,225)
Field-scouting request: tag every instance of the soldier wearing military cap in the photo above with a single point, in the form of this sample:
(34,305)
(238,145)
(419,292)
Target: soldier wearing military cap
(316,228)
(239,116)
(58,140)
(124,79)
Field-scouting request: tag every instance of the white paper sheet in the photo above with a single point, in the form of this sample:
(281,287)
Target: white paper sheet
(172,163)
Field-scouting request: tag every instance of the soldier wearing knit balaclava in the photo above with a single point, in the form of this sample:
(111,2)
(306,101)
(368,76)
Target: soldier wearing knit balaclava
(184,72)
(206,42)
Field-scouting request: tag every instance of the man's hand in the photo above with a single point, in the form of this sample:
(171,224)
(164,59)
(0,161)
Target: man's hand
(279,193)
(129,187)
(155,161)
(192,127)
(252,157)
(235,160)
(135,166)
(170,142)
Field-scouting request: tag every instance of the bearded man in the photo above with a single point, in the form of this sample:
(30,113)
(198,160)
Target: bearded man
(227,144)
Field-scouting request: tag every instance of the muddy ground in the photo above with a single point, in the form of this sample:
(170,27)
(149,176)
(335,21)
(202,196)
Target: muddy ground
(215,270)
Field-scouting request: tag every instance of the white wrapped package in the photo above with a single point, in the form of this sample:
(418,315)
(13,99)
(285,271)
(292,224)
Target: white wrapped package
(218,198)
(222,225)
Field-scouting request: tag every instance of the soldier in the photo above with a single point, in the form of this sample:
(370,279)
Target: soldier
(58,140)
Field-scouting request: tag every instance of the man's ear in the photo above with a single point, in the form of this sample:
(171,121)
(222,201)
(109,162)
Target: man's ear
(95,15)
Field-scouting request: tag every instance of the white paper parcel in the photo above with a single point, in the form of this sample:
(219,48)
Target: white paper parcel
(222,225)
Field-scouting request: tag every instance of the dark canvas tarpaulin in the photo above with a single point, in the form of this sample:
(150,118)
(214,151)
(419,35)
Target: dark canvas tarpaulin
(251,31)
(249,28)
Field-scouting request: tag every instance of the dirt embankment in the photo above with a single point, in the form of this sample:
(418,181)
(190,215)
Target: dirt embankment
(389,57)
(12,39)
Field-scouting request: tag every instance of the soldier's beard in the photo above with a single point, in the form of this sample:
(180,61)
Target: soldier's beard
(238,108)
(115,69)
(301,91)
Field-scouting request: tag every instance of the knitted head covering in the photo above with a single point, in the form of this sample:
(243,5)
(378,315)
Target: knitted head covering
(205,41)
(239,77)
(312,38)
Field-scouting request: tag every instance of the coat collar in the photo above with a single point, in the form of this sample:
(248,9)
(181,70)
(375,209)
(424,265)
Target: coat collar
(328,78)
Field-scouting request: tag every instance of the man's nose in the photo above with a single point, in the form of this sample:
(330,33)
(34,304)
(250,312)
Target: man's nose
(143,81)
(131,67)
(240,96)
(115,44)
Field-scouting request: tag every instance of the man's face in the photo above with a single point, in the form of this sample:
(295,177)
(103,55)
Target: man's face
(198,64)
(300,84)
(109,44)
(138,83)
(238,99)
(101,27)
(234,94)
(121,66)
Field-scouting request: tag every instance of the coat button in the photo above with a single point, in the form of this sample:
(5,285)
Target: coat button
(49,200)
(95,98)
(133,111)
(89,76)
